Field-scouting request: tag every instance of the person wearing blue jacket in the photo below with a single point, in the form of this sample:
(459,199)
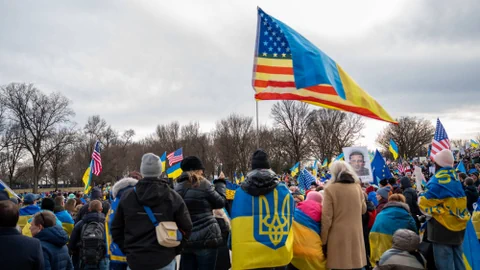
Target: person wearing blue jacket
(47,206)
(29,209)
(53,240)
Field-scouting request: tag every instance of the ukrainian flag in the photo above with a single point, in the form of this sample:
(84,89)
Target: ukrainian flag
(386,224)
(307,244)
(315,169)
(471,248)
(325,163)
(393,149)
(295,169)
(66,220)
(10,192)
(262,235)
(163,159)
(474,143)
(339,157)
(87,178)
(231,188)
(445,200)
(476,219)
(242,177)
(175,171)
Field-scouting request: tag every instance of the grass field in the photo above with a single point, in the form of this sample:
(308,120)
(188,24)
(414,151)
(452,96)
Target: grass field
(69,189)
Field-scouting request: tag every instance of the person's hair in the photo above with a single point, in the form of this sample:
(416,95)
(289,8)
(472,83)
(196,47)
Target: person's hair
(135,175)
(70,205)
(392,181)
(8,214)
(48,204)
(78,207)
(95,206)
(342,172)
(462,176)
(469,181)
(397,198)
(59,200)
(194,177)
(357,153)
(46,219)
(319,188)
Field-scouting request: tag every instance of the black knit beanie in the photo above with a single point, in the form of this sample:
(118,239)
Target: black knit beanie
(260,160)
(191,163)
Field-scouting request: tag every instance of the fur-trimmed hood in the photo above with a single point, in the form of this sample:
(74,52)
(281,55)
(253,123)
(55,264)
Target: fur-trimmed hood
(123,183)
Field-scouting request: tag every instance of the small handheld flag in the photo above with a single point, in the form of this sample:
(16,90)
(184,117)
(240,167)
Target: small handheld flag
(294,170)
(10,192)
(95,167)
(175,171)
(473,143)
(315,168)
(461,167)
(325,163)
(175,157)
(163,160)
(339,157)
(393,149)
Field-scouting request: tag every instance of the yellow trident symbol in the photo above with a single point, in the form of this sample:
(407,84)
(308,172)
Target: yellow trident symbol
(277,226)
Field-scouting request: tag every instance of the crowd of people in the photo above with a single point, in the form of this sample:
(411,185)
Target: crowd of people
(145,221)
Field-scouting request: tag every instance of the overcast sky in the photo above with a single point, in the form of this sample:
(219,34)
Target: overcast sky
(143,63)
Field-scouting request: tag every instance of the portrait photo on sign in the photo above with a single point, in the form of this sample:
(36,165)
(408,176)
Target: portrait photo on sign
(359,159)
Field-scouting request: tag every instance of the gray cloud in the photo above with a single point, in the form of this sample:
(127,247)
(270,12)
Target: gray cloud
(141,63)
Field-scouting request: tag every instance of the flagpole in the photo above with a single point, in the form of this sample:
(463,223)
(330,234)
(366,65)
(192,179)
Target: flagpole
(256,115)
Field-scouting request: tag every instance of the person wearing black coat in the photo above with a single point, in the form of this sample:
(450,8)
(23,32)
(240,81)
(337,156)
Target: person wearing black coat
(201,197)
(54,241)
(471,192)
(17,251)
(96,194)
(132,229)
(411,198)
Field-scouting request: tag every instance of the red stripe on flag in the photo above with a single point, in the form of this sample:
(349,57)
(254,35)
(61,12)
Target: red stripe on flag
(274,70)
(322,89)
(265,84)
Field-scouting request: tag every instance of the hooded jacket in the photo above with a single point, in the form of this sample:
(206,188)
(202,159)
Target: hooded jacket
(133,231)
(256,204)
(403,254)
(200,201)
(472,196)
(117,258)
(96,195)
(394,216)
(55,251)
(410,196)
(19,251)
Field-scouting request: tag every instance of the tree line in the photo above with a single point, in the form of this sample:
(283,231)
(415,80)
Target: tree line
(40,143)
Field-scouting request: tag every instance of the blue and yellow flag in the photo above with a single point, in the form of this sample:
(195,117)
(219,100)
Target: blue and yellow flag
(393,149)
(445,200)
(231,189)
(461,167)
(262,235)
(471,248)
(325,163)
(87,178)
(295,169)
(473,143)
(66,220)
(307,244)
(315,169)
(175,171)
(163,160)
(10,192)
(242,177)
(289,67)
(387,222)
(339,157)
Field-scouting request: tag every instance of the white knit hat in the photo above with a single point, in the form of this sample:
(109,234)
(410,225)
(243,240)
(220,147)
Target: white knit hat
(444,158)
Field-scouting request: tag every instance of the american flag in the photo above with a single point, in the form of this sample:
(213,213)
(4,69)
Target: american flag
(175,157)
(305,179)
(440,140)
(96,160)
(400,167)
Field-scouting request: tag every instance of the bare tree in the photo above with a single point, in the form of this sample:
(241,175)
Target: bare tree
(293,117)
(39,117)
(58,158)
(169,135)
(12,152)
(459,143)
(412,136)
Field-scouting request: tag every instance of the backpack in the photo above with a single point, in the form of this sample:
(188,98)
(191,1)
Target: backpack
(92,245)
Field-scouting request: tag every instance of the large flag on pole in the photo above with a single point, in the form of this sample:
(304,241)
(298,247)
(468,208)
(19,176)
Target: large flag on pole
(10,192)
(95,167)
(379,168)
(175,157)
(440,140)
(289,67)
(393,149)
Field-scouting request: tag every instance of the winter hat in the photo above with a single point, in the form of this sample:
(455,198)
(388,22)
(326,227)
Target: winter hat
(71,196)
(191,163)
(151,165)
(372,197)
(48,204)
(369,189)
(30,198)
(96,194)
(383,192)
(406,240)
(444,158)
(260,160)
(315,196)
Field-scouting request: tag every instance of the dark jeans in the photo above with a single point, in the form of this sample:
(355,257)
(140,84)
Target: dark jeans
(202,259)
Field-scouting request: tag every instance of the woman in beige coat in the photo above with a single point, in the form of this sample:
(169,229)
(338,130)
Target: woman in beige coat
(343,206)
